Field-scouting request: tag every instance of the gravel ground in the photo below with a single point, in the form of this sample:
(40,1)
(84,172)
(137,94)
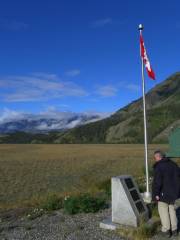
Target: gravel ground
(57,226)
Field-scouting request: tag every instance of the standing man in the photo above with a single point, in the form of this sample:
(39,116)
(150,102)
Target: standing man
(165,191)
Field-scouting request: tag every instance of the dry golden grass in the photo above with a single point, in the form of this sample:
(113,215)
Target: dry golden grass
(145,231)
(30,172)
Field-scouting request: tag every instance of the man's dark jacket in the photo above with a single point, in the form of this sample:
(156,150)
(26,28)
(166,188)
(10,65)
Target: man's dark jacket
(166,183)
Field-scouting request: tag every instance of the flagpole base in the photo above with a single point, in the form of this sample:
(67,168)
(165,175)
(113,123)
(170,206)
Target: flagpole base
(147,197)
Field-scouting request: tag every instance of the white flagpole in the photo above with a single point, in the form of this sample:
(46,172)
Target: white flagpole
(147,194)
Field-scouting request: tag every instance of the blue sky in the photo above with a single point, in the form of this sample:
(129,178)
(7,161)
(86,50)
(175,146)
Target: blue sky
(83,55)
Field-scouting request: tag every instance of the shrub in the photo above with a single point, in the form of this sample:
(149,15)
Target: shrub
(35,213)
(142,187)
(141,182)
(154,210)
(146,231)
(105,186)
(83,203)
(142,232)
(52,202)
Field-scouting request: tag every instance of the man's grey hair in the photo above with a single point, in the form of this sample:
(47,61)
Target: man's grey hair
(161,153)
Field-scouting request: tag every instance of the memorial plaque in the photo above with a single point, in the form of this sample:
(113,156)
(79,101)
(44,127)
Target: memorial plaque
(140,207)
(128,206)
(129,183)
(134,195)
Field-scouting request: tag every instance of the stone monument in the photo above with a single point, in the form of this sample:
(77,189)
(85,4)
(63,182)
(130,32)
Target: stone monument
(128,207)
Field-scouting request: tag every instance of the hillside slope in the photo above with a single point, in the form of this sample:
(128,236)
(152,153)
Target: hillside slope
(126,125)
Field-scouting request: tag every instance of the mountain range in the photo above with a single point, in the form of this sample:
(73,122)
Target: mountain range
(52,120)
(123,126)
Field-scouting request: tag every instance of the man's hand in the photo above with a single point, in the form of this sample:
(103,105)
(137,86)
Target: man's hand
(157,198)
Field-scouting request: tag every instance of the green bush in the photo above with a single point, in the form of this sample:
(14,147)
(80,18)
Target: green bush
(154,210)
(141,182)
(52,202)
(144,231)
(105,186)
(35,213)
(83,203)
(142,187)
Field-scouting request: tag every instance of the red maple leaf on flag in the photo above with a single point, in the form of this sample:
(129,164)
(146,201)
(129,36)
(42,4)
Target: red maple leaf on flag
(145,58)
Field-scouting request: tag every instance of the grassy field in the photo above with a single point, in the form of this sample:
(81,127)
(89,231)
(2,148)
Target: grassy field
(30,172)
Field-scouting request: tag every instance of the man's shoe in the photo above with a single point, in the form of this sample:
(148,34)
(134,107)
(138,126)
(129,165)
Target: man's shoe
(175,233)
(166,234)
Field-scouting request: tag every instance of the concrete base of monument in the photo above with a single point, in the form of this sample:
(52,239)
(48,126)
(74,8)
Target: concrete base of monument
(109,225)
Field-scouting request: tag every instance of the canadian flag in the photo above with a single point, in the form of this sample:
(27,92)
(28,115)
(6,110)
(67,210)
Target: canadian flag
(144,56)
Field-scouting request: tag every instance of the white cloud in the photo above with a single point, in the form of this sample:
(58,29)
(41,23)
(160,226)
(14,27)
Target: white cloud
(133,87)
(112,90)
(49,119)
(107,91)
(101,22)
(9,115)
(38,86)
(49,76)
(72,73)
